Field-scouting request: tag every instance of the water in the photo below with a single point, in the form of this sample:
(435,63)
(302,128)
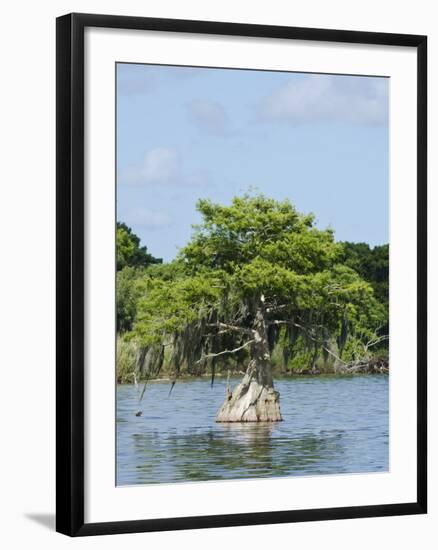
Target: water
(332,425)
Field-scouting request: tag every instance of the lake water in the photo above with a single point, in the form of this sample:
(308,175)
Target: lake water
(332,425)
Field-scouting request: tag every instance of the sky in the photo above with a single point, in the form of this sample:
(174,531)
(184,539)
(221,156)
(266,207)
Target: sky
(185,133)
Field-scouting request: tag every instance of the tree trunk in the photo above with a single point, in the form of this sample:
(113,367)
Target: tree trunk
(254,399)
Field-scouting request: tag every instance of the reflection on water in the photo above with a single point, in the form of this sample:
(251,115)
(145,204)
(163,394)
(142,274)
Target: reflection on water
(331,425)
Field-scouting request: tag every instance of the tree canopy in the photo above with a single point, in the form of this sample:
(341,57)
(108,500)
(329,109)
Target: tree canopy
(129,251)
(253,269)
(372,264)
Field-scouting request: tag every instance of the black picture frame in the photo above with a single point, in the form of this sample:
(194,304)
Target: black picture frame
(70,273)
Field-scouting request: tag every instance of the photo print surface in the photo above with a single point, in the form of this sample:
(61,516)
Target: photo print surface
(252,281)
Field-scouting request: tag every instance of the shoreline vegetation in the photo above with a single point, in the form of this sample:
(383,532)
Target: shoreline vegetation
(238,374)
(129,367)
(258,292)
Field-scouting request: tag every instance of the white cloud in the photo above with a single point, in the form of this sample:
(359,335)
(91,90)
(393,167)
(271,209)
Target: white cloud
(163,166)
(209,116)
(147,219)
(357,100)
(160,165)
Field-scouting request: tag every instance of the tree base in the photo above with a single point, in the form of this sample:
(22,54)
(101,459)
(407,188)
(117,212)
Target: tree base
(250,402)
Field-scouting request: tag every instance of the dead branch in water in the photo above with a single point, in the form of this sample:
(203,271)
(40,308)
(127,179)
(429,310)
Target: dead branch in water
(374,365)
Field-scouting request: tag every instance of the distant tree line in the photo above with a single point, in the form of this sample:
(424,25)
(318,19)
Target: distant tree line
(129,251)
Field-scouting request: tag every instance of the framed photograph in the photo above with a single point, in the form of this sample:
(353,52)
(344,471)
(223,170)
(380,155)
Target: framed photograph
(241,274)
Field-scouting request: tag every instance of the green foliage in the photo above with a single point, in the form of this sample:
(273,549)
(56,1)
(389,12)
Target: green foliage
(127,360)
(129,251)
(372,264)
(135,283)
(128,289)
(168,306)
(166,272)
(258,228)
(257,254)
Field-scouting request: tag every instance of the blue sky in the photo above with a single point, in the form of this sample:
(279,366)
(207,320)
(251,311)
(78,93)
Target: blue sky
(185,133)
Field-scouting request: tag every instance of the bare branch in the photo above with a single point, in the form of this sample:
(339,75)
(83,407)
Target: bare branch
(304,329)
(225,351)
(234,328)
(372,343)
(329,351)
(272,309)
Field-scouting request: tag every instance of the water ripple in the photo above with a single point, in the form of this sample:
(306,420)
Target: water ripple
(331,425)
